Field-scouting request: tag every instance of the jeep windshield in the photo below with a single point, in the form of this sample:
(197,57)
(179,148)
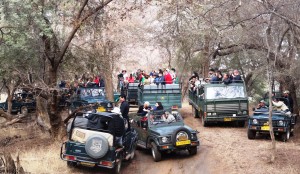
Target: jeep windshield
(164,117)
(91,93)
(225,92)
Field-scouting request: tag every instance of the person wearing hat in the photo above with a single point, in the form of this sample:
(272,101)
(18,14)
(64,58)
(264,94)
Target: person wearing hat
(261,105)
(290,102)
(116,126)
(124,107)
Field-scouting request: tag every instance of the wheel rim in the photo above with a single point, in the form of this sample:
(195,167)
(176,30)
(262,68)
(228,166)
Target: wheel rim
(119,166)
(24,110)
(133,151)
(153,153)
(288,135)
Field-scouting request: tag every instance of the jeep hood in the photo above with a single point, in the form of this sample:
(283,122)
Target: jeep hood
(167,130)
(266,117)
(94,100)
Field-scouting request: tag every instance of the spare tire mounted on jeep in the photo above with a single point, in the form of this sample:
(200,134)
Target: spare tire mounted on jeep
(96,146)
(181,134)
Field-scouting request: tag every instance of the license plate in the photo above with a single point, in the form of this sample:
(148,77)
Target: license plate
(101,109)
(265,128)
(228,119)
(180,143)
(87,164)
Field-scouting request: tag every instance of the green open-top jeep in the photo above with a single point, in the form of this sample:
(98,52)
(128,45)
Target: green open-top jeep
(161,134)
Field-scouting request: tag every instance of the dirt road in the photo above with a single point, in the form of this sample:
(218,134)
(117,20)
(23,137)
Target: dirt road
(223,149)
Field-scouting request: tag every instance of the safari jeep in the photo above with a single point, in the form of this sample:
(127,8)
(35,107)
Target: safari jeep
(161,136)
(283,124)
(92,147)
(88,96)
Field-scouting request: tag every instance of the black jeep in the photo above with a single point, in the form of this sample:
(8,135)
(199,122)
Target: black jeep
(21,102)
(283,124)
(164,135)
(91,95)
(92,142)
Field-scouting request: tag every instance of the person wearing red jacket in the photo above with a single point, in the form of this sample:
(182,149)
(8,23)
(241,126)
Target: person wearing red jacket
(168,77)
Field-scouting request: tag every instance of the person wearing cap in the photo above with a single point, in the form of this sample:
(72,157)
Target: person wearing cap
(261,105)
(286,94)
(124,108)
(116,126)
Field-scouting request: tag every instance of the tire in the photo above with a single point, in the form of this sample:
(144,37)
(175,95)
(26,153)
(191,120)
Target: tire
(193,150)
(96,146)
(251,134)
(132,153)
(204,123)
(24,110)
(71,164)
(118,165)
(155,152)
(241,123)
(286,136)
(195,112)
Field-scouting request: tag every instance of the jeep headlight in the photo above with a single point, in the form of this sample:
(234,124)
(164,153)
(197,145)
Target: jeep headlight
(109,105)
(214,113)
(254,121)
(244,112)
(165,139)
(193,136)
(209,113)
(280,123)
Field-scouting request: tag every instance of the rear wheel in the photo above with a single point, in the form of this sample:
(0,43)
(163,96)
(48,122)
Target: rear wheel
(155,152)
(193,150)
(71,164)
(118,165)
(251,134)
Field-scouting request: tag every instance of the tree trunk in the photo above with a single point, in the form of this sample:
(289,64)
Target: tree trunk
(205,58)
(52,109)
(108,85)
(42,114)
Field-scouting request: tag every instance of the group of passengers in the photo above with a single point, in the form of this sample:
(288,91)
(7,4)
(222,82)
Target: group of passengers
(160,77)
(146,108)
(284,106)
(215,77)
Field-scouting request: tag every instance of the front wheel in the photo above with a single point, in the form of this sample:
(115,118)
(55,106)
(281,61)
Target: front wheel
(204,123)
(24,110)
(193,150)
(251,134)
(285,136)
(155,152)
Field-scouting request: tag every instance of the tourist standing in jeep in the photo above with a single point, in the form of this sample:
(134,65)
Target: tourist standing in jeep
(124,108)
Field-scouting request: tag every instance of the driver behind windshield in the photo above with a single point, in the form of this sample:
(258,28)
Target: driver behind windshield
(168,117)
